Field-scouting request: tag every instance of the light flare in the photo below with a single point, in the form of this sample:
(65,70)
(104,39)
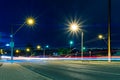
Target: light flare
(74,26)
(30,21)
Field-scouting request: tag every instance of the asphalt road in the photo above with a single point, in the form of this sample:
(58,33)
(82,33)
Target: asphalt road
(71,70)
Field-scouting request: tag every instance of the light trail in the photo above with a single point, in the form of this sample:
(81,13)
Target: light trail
(34,59)
(69,58)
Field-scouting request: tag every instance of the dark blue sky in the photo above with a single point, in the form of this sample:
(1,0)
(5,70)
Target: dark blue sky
(51,19)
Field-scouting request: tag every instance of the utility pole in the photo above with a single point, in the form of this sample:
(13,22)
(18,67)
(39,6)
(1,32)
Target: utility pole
(12,43)
(109,29)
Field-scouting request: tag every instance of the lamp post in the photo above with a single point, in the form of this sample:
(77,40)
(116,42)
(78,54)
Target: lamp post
(103,38)
(74,28)
(108,44)
(17,52)
(30,22)
(12,46)
(82,34)
(28,50)
(38,47)
(47,46)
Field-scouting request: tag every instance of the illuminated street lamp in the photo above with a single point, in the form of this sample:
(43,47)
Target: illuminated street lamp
(17,51)
(30,22)
(28,49)
(71,43)
(38,47)
(47,46)
(103,38)
(1,51)
(100,36)
(74,27)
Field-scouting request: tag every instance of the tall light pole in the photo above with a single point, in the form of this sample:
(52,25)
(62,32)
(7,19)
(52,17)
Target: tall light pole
(82,34)
(74,28)
(109,34)
(47,46)
(12,43)
(30,22)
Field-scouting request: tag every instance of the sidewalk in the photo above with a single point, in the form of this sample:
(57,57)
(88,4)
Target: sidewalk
(14,71)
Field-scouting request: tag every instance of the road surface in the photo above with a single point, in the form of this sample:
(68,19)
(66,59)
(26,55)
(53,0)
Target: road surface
(75,70)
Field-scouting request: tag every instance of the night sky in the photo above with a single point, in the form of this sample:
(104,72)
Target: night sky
(51,19)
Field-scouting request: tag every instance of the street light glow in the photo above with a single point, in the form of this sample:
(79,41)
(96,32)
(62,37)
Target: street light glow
(30,21)
(17,51)
(38,47)
(74,27)
(28,50)
(100,36)
(47,46)
(71,42)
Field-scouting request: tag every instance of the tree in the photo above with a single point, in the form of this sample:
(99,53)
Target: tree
(63,51)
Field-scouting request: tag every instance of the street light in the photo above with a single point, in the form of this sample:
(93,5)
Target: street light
(74,27)
(30,21)
(47,46)
(71,43)
(28,49)
(100,36)
(38,47)
(17,51)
